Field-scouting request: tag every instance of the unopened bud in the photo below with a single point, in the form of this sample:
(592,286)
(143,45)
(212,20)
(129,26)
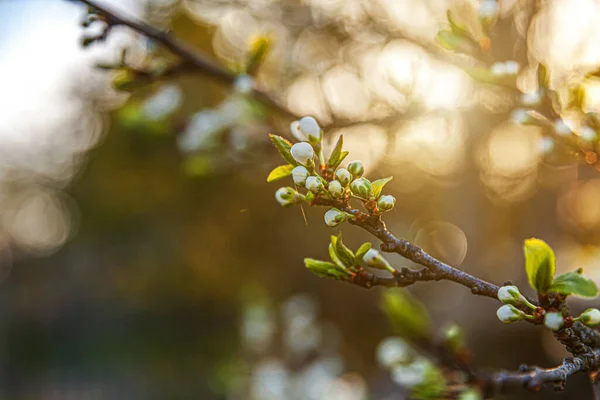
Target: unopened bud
(335,188)
(590,317)
(509,313)
(356,169)
(314,184)
(531,98)
(374,259)
(306,129)
(510,295)
(302,152)
(334,217)
(393,351)
(344,176)
(362,188)
(299,175)
(554,320)
(386,203)
(287,196)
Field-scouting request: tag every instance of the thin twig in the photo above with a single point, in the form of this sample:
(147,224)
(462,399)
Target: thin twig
(534,379)
(200,62)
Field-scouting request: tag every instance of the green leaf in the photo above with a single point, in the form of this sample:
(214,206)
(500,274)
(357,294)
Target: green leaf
(334,257)
(483,75)
(345,254)
(540,264)
(259,49)
(283,171)
(542,76)
(575,283)
(360,253)
(337,155)
(451,41)
(379,184)
(283,146)
(325,269)
(457,28)
(407,316)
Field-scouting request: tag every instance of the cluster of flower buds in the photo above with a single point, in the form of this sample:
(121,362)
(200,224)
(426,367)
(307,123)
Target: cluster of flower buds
(325,178)
(408,369)
(512,298)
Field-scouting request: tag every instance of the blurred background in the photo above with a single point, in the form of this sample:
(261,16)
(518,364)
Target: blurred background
(143,255)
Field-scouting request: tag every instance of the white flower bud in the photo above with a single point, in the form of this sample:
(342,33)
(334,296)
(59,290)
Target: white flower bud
(411,375)
(374,259)
(243,84)
(386,203)
(302,152)
(554,321)
(335,188)
(334,217)
(509,313)
(561,128)
(520,116)
(362,188)
(590,317)
(295,129)
(287,196)
(393,351)
(511,67)
(299,175)
(531,98)
(587,133)
(510,295)
(344,176)
(307,129)
(310,127)
(356,169)
(314,184)
(545,145)
(488,9)
(499,69)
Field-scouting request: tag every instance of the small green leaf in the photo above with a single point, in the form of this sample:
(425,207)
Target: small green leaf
(542,76)
(283,146)
(345,254)
(451,41)
(540,264)
(457,28)
(333,254)
(379,184)
(360,253)
(283,171)
(325,269)
(259,49)
(337,155)
(407,316)
(575,283)
(483,75)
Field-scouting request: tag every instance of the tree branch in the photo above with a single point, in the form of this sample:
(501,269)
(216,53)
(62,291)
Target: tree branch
(193,59)
(535,378)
